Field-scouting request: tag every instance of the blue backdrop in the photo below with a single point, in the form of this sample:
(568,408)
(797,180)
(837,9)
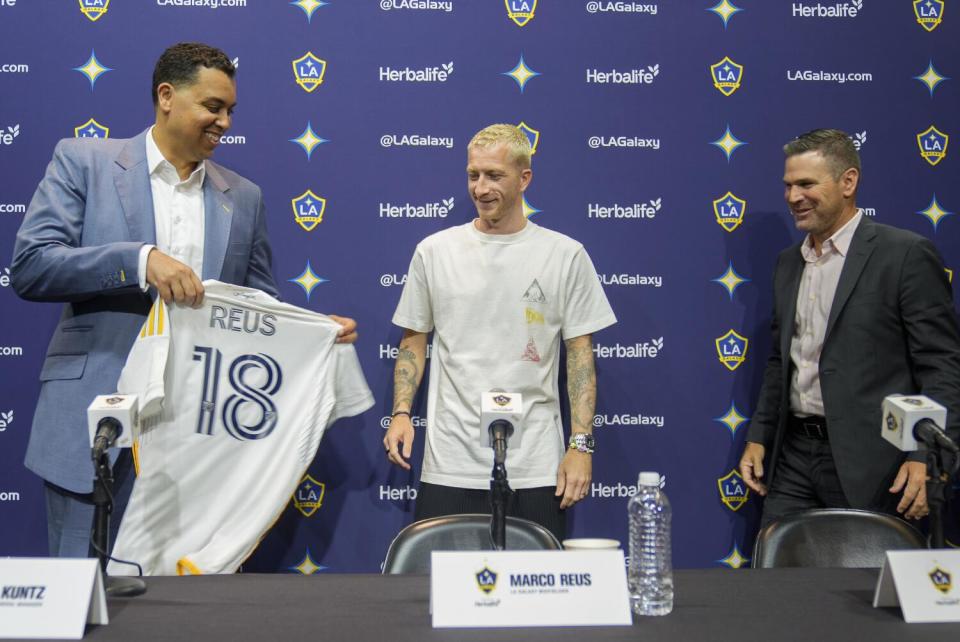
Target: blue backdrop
(658,128)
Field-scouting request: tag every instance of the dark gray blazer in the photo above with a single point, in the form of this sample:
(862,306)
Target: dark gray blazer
(79,243)
(892,329)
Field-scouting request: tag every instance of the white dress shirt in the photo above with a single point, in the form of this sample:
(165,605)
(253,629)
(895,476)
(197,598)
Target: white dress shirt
(818,285)
(177,212)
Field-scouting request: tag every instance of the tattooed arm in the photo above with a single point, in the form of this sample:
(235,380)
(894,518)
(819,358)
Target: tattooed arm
(576,469)
(407,373)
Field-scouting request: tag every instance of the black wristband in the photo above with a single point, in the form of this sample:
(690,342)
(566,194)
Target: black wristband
(400,412)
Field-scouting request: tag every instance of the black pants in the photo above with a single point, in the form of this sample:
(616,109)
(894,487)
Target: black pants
(806,478)
(536,504)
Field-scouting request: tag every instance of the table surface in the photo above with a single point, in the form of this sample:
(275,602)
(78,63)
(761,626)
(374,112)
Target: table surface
(711,604)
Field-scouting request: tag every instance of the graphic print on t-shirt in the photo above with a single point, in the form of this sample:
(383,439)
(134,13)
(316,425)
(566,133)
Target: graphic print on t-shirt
(531,353)
(534,294)
(534,317)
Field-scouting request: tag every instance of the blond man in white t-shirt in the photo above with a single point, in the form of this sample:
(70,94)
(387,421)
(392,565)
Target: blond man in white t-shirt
(499,294)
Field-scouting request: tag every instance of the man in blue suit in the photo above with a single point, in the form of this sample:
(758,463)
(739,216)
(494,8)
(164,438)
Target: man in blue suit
(113,223)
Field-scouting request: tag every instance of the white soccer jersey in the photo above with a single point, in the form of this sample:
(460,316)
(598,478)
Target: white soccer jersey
(234,396)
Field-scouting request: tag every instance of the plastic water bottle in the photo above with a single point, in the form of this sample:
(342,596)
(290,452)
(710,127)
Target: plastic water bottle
(650,574)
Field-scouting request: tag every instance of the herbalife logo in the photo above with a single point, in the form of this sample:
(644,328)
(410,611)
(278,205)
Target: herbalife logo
(646,350)
(630,77)
(628,211)
(391,352)
(620,489)
(427,74)
(848,9)
(407,210)
(859,139)
(6,418)
(401,493)
(7,135)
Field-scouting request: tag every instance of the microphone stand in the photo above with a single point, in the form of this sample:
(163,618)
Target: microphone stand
(499,488)
(499,493)
(936,492)
(102,508)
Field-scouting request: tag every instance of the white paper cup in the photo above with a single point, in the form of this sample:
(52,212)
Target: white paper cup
(590,544)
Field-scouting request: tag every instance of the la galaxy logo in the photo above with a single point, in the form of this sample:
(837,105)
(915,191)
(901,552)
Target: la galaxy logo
(520,11)
(91,129)
(929,13)
(94,9)
(733,491)
(891,423)
(729,211)
(941,580)
(933,145)
(308,71)
(732,349)
(501,400)
(532,135)
(727,76)
(308,210)
(486,580)
(309,496)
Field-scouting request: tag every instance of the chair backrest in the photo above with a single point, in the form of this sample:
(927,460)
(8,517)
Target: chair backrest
(410,550)
(833,537)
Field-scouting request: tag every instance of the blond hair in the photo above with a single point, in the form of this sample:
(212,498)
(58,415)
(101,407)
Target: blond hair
(501,134)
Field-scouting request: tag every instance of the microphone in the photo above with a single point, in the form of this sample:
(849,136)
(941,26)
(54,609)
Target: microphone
(500,419)
(930,434)
(112,421)
(908,420)
(108,430)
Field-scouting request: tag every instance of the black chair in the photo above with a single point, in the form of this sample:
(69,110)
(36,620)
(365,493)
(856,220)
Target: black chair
(833,537)
(410,550)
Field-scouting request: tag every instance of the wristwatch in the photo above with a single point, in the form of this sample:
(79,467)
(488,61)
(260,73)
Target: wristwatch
(582,442)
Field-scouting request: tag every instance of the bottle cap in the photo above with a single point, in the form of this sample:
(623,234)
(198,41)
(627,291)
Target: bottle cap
(649,479)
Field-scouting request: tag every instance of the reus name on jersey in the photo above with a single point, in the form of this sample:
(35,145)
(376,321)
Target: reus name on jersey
(234,398)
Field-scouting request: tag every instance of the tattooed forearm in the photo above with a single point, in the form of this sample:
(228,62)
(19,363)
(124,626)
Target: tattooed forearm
(408,370)
(581,383)
(406,377)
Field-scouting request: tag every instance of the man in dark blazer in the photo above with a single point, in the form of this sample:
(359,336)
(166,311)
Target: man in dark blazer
(861,311)
(113,223)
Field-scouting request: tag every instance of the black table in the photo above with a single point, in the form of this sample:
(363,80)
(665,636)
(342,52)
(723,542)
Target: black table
(716,604)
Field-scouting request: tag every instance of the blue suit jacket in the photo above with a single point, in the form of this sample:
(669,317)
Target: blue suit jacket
(79,244)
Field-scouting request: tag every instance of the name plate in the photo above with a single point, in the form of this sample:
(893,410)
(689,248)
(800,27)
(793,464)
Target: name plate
(50,597)
(528,588)
(925,584)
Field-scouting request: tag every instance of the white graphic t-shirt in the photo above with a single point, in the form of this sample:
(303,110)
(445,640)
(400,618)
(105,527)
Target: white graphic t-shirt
(499,306)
